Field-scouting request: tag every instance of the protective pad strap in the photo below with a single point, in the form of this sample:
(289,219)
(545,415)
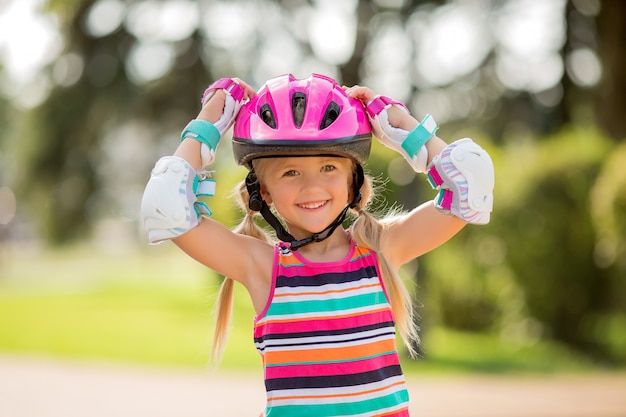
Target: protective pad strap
(420,135)
(444,199)
(227,84)
(379,103)
(206,188)
(203,188)
(202,131)
(434,178)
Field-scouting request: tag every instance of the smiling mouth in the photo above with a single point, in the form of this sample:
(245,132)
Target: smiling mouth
(313,205)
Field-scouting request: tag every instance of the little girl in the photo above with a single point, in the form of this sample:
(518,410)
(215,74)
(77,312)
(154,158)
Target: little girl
(327,299)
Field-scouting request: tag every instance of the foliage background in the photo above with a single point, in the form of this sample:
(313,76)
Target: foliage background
(538,84)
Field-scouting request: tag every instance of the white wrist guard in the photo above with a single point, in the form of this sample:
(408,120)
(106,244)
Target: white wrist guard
(464,175)
(209,134)
(409,144)
(170,205)
(234,101)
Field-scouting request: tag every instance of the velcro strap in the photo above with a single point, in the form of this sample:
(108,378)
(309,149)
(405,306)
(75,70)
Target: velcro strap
(420,135)
(379,103)
(202,131)
(205,188)
(202,208)
(434,178)
(227,84)
(444,199)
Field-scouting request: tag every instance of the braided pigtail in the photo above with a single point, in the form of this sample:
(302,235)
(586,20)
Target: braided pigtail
(367,231)
(224,303)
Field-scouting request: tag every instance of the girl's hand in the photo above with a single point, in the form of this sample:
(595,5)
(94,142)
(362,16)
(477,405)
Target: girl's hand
(363,94)
(222,101)
(391,124)
(398,117)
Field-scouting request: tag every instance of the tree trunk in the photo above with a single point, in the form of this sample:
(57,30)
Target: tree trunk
(611,102)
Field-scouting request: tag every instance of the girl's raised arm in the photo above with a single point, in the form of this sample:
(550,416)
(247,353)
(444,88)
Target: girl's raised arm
(170,206)
(462,173)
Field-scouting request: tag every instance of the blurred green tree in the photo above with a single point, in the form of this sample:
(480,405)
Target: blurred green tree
(130,75)
(63,136)
(611,101)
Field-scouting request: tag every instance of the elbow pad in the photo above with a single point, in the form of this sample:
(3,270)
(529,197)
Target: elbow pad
(170,206)
(464,175)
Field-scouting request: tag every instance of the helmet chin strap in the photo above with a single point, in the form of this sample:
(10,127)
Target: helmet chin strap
(257,203)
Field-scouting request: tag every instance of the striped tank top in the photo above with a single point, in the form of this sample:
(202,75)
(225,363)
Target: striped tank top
(327,340)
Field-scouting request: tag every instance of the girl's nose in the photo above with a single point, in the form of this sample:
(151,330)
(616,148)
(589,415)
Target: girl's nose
(310,182)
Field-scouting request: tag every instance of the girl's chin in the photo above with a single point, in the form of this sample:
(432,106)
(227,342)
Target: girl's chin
(304,233)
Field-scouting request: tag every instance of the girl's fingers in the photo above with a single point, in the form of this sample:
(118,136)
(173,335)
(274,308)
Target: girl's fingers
(364,94)
(248,91)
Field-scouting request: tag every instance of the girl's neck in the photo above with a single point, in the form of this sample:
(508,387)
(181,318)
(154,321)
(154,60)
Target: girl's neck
(333,248)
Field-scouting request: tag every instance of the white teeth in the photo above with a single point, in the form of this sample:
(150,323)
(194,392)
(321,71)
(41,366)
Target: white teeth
(312,205)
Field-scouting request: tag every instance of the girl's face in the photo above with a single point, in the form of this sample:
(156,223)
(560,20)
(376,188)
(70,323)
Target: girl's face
(308,192)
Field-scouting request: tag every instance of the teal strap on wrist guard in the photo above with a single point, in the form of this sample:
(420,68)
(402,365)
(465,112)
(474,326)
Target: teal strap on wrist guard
(420,135)
(202,131)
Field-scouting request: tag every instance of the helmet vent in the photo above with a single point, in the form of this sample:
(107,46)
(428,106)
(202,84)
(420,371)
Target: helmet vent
(267,115)
(298,107)
(331,114)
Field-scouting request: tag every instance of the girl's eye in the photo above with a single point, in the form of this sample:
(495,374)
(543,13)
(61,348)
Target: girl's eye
(328,168)
(290,173)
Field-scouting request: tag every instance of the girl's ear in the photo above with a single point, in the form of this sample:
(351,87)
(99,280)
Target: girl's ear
(266,195)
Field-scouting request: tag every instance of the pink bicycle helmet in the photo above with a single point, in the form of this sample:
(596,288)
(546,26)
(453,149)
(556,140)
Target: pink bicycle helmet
(311,116)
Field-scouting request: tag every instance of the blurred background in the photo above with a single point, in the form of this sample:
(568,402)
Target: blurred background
(93,92)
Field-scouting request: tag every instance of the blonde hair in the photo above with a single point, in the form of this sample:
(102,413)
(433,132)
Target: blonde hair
(366,231)
(224,302)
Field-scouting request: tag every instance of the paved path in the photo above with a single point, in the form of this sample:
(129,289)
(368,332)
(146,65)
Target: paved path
(45,388)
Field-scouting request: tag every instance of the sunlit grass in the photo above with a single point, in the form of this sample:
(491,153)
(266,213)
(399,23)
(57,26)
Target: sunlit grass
(447,350)
(155,306)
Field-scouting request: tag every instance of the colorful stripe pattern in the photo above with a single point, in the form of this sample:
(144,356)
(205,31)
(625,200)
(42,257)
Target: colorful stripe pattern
(327,339)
